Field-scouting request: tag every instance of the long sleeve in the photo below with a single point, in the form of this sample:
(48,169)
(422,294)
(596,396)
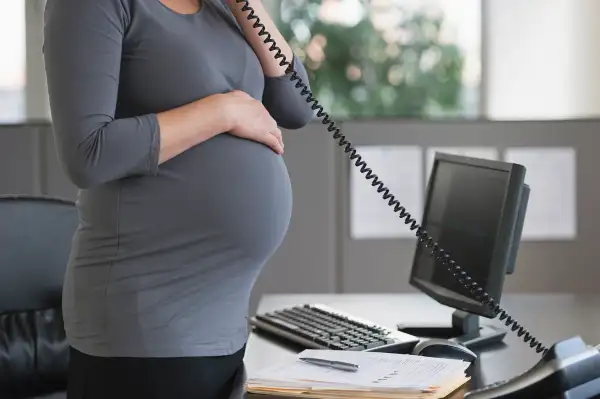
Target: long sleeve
(285,101)
(82,54)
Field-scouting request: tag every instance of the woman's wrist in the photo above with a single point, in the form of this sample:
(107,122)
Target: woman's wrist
(216,111)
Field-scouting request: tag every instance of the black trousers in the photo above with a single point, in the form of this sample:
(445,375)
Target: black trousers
(92,377)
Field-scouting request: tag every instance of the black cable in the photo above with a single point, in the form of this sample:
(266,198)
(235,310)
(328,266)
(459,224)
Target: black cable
(423,236)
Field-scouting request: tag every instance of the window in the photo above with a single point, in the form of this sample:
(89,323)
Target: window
(388,58)
(12,54)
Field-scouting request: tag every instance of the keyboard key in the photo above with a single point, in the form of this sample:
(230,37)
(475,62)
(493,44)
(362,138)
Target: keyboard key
(375,344)
(277,322)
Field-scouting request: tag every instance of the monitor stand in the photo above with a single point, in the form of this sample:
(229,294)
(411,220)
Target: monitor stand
(465,329)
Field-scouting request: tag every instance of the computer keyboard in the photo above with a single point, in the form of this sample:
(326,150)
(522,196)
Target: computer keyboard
(315,326)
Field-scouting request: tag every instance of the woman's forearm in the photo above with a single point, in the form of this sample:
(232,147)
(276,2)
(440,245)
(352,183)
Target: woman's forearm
(190,125)
(267,59)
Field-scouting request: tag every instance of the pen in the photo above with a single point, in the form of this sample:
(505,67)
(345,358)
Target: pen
(331,364)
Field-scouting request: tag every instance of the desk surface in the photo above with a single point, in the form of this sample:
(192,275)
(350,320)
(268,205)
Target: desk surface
(550,317)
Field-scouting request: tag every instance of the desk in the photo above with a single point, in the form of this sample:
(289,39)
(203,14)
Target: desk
(550,317)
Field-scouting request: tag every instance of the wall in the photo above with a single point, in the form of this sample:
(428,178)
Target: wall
(318,254)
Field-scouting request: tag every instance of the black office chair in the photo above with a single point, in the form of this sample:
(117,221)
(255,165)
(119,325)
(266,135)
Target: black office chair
(35,240)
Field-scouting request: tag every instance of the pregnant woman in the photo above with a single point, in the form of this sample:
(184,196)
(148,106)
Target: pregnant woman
(166,116)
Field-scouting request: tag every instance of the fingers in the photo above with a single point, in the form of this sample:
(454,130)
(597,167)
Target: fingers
(278,135)
(274,132)
(271,140)
(266,129)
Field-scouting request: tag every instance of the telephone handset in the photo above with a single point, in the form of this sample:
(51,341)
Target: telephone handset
(568,370)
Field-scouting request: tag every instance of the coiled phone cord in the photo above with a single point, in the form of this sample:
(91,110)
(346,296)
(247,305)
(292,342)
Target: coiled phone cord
(423,236)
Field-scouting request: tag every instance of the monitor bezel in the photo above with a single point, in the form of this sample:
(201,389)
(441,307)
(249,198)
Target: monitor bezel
(504,234)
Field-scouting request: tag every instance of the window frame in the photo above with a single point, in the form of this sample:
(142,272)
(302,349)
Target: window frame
(36,90)
(482,107)
(484,84)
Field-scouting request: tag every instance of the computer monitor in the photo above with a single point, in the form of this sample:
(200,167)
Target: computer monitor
(475,209)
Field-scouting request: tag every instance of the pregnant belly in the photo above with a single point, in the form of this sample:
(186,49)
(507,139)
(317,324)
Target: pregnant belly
(226,194)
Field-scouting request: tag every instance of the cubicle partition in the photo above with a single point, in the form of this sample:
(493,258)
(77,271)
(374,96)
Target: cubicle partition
(550,259)
(20,158)
(326,251)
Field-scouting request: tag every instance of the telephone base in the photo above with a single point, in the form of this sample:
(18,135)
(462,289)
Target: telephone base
(569,369)
(465,329)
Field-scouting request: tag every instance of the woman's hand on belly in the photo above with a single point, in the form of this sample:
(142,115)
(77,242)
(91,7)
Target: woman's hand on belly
(249,119)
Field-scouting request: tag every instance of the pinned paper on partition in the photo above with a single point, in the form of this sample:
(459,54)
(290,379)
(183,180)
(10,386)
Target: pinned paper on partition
(401,170)
(552,207)
(490,153)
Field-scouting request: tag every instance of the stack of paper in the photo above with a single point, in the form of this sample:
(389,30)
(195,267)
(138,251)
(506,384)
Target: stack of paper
(380,375)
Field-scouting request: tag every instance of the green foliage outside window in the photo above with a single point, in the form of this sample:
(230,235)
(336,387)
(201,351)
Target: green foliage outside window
(355,72)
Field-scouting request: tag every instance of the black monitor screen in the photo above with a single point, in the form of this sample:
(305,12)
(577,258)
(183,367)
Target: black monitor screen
(463,214)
